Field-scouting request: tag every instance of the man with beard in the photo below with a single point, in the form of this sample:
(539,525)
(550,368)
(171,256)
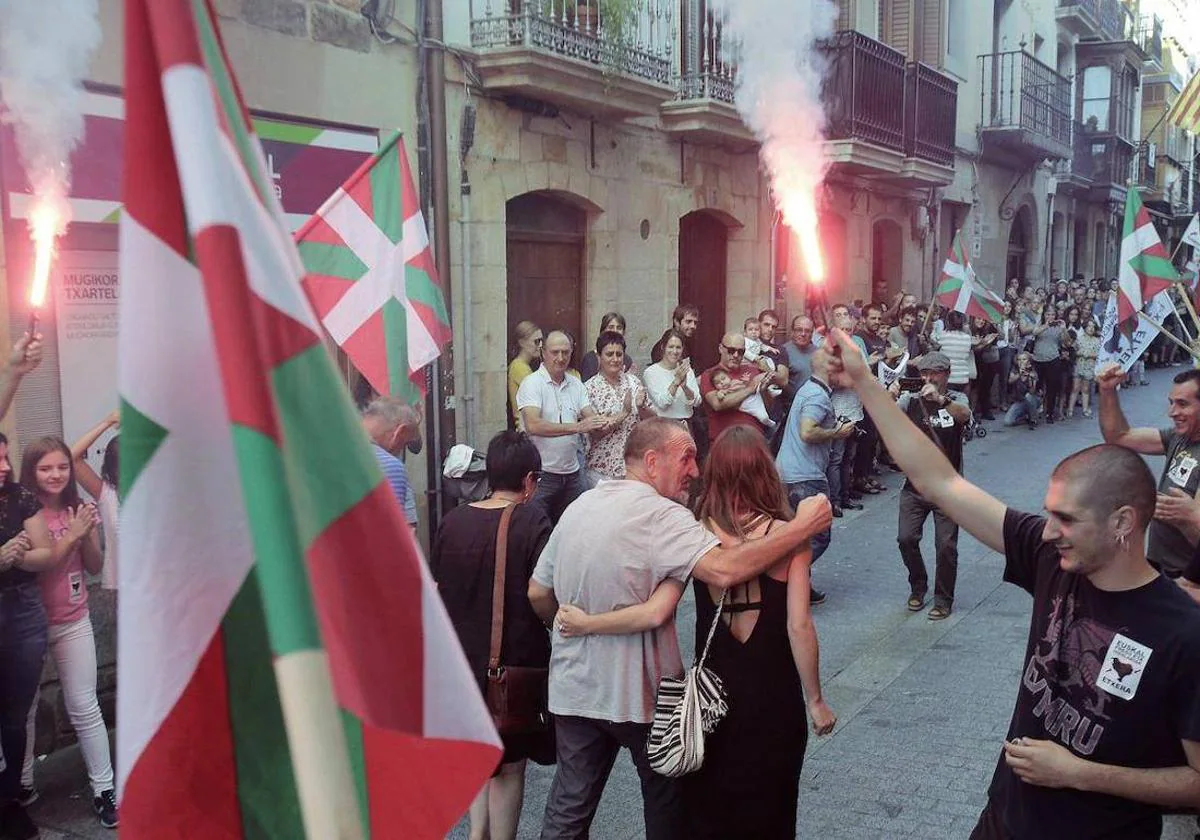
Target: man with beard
(1105,735)
(868,443)
(619,542)
(1176,525)
(684,320)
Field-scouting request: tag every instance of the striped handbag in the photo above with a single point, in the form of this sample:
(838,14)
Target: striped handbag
(686,709)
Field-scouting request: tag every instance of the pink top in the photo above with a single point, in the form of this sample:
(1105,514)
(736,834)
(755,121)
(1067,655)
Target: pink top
(64,589)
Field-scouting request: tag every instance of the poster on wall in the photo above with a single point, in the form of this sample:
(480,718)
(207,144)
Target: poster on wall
(306,162)
(87,289)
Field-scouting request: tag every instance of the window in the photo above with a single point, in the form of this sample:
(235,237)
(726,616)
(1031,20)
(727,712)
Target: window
(1097,88)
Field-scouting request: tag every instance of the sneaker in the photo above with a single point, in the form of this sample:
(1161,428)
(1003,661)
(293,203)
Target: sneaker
(105,806)
(837,512)
(816,596)
(15,823)
(27,796)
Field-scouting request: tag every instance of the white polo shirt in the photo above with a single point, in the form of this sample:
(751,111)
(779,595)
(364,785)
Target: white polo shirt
(558,403)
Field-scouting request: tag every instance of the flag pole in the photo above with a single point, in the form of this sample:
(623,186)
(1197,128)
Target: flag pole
(1193,352)
(1187,301)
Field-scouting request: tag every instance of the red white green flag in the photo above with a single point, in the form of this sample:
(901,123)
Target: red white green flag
(371,275)
(1145,268)
(962,291)
(286,666)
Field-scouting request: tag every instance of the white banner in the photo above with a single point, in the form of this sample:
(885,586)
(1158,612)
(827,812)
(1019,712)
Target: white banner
(86,291)
(889,375)
(1115,347)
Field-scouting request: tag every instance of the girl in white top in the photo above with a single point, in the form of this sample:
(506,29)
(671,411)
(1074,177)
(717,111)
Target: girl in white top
(102,488)
(671,384)
(956,344)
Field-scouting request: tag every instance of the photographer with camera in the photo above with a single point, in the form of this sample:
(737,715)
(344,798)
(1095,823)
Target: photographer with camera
(941,414)
(803,461)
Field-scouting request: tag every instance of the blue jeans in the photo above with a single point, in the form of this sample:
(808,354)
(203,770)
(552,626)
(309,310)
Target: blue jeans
(22,650)
(798,492)
(555,491)
(1021,410)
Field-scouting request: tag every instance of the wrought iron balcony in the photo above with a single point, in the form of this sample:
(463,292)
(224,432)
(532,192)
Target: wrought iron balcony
(702,109)
(1025,108)
(1150,36)
(589,55)
(863,91)
(1102,20)
(930,114)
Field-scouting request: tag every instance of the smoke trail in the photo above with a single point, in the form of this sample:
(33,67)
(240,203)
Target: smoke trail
(45,47)
(779,97)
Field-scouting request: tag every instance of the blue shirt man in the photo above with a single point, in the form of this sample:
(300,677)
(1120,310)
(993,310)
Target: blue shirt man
(392,424)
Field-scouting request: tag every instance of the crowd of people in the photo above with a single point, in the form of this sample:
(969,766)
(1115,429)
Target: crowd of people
(630,480)
(50,542)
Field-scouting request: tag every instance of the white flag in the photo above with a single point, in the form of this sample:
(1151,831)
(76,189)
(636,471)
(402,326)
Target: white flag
(1191,236)
(1116,347)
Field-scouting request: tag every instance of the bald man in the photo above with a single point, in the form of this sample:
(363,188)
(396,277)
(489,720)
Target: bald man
(721,405)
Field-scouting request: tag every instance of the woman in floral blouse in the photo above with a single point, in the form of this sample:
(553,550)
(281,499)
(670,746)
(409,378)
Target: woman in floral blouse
(620,396)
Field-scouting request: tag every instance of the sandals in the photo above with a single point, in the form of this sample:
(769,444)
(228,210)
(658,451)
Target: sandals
(916,601)
(938,613)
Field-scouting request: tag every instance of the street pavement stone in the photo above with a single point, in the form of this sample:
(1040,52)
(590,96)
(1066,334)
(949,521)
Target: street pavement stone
(923,706)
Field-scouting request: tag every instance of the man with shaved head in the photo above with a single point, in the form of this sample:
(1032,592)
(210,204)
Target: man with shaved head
(1105,735)
(721,405)
(556,410)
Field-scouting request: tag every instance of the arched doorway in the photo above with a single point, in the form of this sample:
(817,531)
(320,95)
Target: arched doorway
(545,247)
(703,250)
(1018,246)
(887,259)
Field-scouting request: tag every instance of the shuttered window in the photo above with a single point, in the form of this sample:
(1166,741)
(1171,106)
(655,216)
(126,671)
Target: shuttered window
(930,33)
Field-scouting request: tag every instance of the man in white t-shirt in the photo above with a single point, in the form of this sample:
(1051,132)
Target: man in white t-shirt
(613,548)
(555,409)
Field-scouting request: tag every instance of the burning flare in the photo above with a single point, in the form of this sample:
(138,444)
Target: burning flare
(46,223)
(801,215)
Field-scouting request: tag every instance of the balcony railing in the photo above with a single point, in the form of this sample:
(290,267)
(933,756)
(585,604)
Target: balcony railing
(638,42)
(709,72)
(1108,19)
(1149,37)
(1020,92)
(930,114)
(864,90)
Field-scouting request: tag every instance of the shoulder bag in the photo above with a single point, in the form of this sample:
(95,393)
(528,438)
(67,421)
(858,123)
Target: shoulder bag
(687,708)
(517,696)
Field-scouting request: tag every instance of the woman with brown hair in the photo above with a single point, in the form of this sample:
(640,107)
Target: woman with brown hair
(529,353)
(764,650)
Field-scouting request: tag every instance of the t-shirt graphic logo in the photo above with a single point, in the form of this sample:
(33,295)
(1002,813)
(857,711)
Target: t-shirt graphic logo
(1123,667)
(1181,469)
(941,420)
(75,582)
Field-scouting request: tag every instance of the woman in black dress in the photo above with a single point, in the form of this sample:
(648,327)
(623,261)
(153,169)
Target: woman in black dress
(764,649)
(463,564)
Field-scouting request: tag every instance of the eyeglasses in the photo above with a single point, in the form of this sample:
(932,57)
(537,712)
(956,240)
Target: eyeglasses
(735,351)
(539,341)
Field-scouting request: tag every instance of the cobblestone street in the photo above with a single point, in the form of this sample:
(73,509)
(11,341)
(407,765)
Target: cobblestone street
(923,706)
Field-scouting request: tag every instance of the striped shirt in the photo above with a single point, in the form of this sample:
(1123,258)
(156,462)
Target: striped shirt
(397,478)
(957,347)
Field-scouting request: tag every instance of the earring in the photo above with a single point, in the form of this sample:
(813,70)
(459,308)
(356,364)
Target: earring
(1123,539)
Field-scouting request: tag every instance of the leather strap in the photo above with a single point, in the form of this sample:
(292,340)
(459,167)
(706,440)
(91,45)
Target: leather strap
(498,588)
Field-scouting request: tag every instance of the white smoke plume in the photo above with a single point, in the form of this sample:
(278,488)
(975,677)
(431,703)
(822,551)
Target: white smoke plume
(45,49)
(779,94)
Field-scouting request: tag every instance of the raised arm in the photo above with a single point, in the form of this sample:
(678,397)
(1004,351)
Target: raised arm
(25,356)
(1113,425)
(655,612)
(84,473)
(733,563)
(919,458)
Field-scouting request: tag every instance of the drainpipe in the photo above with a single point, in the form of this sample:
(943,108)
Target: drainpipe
(466,140)
(440,407)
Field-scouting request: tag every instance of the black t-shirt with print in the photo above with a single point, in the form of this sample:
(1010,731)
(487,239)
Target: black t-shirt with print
(16,505)
(1112,676)
(1168,547)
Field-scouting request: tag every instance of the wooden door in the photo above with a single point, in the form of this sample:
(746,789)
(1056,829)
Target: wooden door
(703,243)
(545,239)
